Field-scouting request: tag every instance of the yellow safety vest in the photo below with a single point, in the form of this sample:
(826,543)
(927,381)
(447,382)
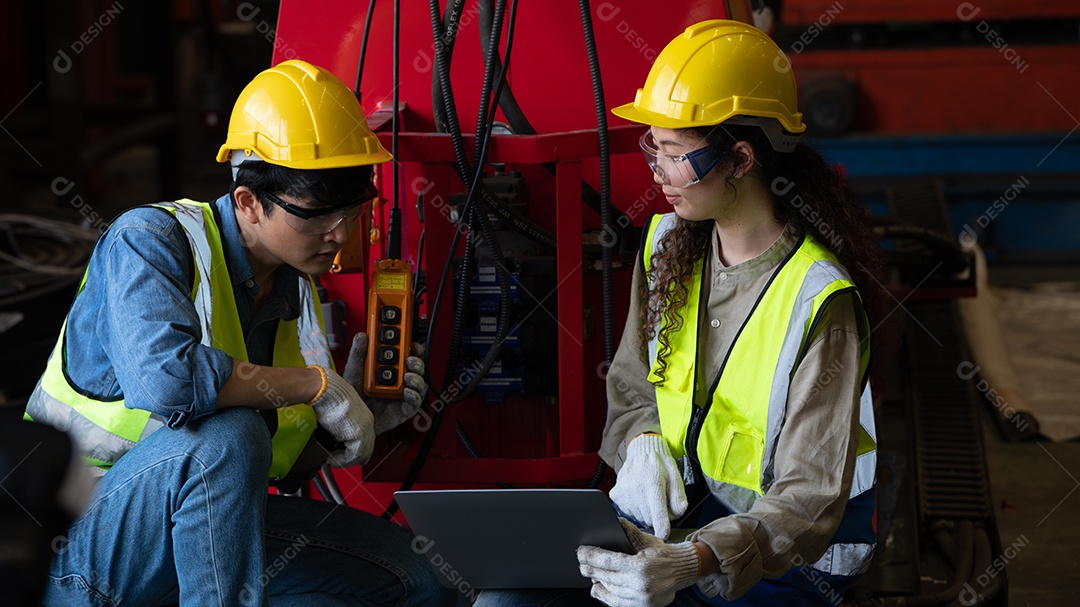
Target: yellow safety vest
(732,436)
(106,429)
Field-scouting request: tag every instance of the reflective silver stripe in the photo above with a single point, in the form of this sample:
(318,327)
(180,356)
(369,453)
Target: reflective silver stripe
(866,464)
(845,559)
(313,345)
(156,422)
(820,275)
(733,497)
(90,439)
(191,219)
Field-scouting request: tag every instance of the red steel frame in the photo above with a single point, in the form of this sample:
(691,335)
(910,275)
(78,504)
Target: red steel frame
(568,150)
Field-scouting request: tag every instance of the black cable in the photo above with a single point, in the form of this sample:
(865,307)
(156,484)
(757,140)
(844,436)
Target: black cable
(320,486)
(419,256)
(605,176)
(445,34)
(491,67)
(442,72)
(446,121)
(479,215)
(443,66)
(605,200)
(519,124)
(363,48)
(393,240)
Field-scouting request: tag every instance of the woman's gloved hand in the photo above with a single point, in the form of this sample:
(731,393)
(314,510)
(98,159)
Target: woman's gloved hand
(339,408)
(649,578)
(649,488)
(388,413)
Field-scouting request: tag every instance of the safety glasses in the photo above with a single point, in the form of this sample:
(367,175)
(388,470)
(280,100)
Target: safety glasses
(678,170)
(321,221)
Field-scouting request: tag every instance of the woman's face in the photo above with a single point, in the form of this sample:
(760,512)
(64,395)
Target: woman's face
(705,199)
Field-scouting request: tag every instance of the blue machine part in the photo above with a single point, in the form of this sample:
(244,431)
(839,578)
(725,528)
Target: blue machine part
(1018,194)
(478,336)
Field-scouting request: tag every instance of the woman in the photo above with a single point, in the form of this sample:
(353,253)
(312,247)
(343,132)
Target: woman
(738,398)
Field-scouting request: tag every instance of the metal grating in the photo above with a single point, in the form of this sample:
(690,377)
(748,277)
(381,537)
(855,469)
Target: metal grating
(949,456)
(950,461)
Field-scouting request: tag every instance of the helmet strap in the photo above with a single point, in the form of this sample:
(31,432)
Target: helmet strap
(782,141)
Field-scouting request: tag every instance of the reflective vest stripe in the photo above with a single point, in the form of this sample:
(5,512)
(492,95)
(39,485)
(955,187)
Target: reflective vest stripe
(105,430)
(845,559)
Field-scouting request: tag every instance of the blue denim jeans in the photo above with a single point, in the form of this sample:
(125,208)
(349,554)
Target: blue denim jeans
(185,517)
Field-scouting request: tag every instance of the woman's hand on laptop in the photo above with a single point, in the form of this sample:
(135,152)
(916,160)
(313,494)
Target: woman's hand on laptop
(649,578)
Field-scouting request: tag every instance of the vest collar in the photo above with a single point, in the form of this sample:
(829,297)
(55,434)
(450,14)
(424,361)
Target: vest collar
(759,265)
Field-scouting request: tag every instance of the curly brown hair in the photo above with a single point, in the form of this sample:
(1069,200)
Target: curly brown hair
(808,194)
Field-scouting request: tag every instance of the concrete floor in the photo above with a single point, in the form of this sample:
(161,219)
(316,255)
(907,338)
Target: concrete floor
(1034,486)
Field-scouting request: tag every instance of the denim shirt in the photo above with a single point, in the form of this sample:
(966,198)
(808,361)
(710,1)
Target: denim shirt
(133,332)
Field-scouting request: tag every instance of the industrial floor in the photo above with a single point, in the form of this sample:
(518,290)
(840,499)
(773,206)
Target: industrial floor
(1034,486)
(1035,489)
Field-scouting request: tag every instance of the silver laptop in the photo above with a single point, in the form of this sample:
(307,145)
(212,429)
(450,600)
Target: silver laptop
(510,538)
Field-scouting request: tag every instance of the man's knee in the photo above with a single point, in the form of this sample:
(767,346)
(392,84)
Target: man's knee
(236,437)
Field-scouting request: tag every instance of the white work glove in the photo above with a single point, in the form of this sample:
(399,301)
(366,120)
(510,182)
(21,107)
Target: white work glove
(340,410)
(649,488)
(649,578)
(388,413)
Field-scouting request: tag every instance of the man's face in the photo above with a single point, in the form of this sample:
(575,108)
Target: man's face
(309,245)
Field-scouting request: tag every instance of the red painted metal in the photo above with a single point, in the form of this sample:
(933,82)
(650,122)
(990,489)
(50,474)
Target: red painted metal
(957,90)
(805,12)
(568,455)
(571,307)
(527,440)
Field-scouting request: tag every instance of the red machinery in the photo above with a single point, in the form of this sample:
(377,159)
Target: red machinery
(993,66)
(525,438)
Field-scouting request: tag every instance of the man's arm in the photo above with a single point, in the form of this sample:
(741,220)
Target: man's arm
(262,387)
(151,332)
(138,305)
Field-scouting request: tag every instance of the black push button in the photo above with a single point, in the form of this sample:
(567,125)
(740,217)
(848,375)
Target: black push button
(387,376)
(389,335)
(390,315)
(388,355)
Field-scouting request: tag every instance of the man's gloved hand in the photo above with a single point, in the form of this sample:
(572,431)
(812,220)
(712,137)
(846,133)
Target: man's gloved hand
(339,409)
(388,413)
(649,578)
(649,488)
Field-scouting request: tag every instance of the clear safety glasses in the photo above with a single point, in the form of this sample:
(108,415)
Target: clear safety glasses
(678,170)
(321,221)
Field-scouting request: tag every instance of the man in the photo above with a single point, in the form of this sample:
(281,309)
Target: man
(195,333)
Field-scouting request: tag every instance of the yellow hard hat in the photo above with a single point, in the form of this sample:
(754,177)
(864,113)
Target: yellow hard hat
(716,70)
(301,116)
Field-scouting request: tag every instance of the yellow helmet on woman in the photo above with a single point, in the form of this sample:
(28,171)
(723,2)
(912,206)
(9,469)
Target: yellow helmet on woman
(718,71)
(300,116)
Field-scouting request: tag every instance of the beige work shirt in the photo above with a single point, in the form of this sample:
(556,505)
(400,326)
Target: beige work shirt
(793,523)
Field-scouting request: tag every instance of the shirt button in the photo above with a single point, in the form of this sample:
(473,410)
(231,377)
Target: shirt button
(723,275)
(715,323)
(249,283)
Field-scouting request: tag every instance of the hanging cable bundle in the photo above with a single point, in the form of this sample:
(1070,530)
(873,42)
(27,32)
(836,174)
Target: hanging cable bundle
(39,255)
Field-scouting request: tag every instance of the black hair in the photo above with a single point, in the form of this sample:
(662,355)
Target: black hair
(321,188)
